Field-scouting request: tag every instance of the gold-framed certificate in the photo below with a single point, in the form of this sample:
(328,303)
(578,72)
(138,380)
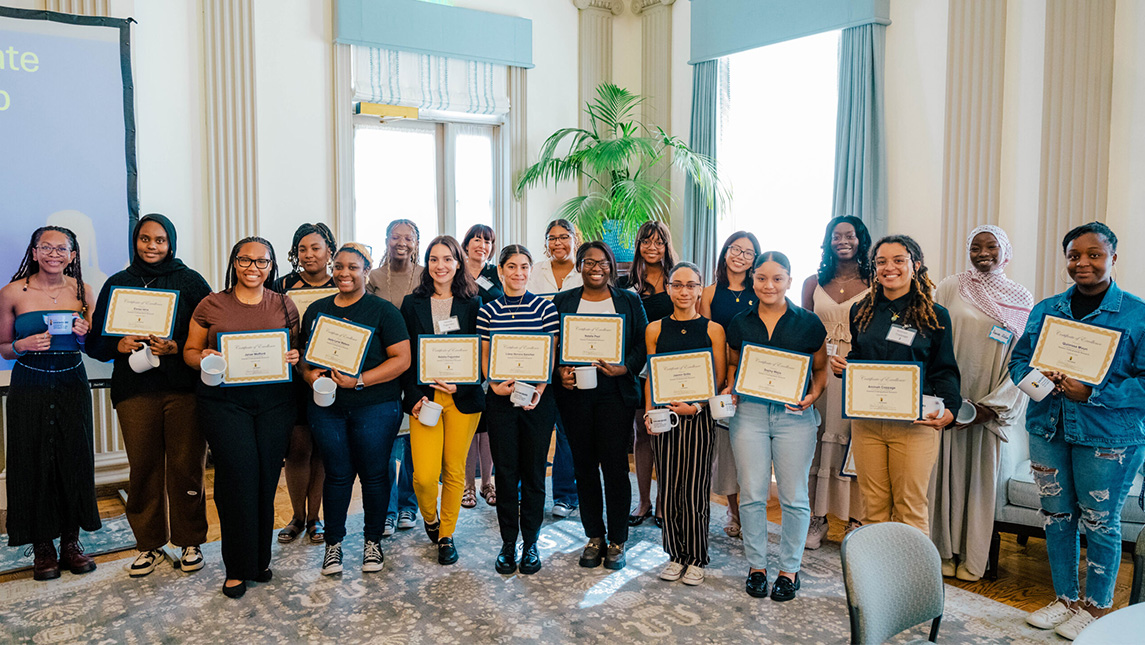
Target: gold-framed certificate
(586,338)
(140,312)
(520,357)
(303,298)
(338,344)
(773,374)
(1080,350)
(449,359)
(887,390)
(682,376)
(255,357)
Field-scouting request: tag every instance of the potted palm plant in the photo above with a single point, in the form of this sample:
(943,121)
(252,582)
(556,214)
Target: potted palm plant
(623,167)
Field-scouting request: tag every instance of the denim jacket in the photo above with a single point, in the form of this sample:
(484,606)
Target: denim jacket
(1114,414)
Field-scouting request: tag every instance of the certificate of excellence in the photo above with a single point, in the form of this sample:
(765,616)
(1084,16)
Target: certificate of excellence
(449,359)
(586,339)
(682,376)
(303,298)
(890,391)
(338,344)
(773,374)
(255,357)
(521,357)
(1080,350)
(140,312)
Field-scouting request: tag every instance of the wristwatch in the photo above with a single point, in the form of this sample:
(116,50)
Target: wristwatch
(360,384)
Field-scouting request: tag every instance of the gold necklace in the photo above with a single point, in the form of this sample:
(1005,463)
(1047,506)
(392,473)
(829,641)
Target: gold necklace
(842,290)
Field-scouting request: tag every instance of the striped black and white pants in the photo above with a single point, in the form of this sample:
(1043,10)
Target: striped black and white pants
(683,459)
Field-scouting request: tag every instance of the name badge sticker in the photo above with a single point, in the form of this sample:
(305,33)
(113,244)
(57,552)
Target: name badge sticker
(1001,334)
(832,349)
(484,283)
(901,335)
(788,410)
(448,325)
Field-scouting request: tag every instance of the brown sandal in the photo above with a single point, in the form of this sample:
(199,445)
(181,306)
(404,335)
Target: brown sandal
(469,498)
(490,494)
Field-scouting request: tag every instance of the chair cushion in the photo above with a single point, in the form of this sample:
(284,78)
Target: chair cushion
(1022,491)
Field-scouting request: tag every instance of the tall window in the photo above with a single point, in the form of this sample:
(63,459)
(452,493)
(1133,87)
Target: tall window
(777,145)
(445,176)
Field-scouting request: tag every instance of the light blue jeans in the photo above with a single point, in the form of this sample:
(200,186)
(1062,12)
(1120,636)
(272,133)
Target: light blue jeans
(1086,485)
(764,435)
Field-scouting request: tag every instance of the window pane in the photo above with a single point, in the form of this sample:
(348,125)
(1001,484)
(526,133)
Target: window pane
(777,145)
(474,180)
(395,177)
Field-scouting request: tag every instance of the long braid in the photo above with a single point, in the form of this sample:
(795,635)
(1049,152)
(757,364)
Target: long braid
(921,309)
(29,267)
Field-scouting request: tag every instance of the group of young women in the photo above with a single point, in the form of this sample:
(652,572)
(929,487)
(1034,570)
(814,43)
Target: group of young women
(973,334)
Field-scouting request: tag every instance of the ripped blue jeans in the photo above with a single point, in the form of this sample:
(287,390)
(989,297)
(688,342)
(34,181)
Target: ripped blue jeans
(1083,485)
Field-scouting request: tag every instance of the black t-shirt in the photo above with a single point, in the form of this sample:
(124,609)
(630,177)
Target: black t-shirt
(389,328)
(1081,305)
(797,330)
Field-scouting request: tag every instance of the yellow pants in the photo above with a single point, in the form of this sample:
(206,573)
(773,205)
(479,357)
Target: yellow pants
(894,460)
(439,453)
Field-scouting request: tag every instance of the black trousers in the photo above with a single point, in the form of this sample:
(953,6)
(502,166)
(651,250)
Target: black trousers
(248,429)
(599,434)
(519,440)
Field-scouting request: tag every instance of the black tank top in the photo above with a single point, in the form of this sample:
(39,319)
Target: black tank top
(681,336)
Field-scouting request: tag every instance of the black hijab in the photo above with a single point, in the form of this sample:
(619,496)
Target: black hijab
(167,265)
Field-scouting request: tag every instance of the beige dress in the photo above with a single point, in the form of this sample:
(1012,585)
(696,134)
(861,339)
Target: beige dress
(963,485)
(830,490)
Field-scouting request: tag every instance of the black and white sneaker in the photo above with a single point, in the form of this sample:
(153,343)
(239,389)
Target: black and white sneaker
(372,557)
(192,559)
(332,560)
(389,525)
(407,519)
(146,562)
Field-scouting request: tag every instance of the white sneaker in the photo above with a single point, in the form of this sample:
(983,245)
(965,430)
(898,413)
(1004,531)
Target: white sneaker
(672,572)
(560,509)
(146,562)
(372,557)
(1073,627)
(1052,615)
(332,559)
(693,575)
(192,559)
(816,531)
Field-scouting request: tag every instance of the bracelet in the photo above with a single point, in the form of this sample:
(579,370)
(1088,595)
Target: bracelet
(16,351)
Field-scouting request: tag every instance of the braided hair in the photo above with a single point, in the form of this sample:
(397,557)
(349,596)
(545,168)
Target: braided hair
(29,266)
(920,309)
(416,239)
(306,229)
(233,274)
(828,263)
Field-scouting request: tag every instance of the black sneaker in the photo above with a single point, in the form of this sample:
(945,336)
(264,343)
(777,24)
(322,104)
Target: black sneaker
(784,588)
(332,559)
(507,559)
(757,584)
(372,557)
(431,530)
(530,559)
(593,553)
(446,552)
(614,560)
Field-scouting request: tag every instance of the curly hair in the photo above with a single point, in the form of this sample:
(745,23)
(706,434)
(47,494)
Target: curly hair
(306,229)
(828,263)
(638,274)
(462,286)
(920,310)
(29,267)
(722,263)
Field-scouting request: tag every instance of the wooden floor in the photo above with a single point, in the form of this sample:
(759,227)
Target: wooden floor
(1024,581)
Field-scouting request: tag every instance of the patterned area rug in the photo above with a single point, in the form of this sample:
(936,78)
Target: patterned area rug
(115,535)
(415,600)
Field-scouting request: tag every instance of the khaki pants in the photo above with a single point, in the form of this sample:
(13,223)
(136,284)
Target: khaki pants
(894,460)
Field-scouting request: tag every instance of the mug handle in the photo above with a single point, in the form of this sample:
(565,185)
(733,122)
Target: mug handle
(536,398)
(675,418)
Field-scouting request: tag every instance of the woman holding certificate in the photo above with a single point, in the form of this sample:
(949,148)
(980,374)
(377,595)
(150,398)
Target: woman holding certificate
(898,326)
(310,254)
(156,407)
(478,245)
(988,313)
(248,425)
(356,432)
(445,302)
(613,321)
(50,455)
(518,332)
(684,454)
(1087,437)
(777,350)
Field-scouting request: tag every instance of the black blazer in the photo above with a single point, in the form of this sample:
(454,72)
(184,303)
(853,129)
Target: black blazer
(419,322)
(628,305)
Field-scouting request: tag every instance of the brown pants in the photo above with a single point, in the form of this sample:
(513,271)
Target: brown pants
(894,460)
(167,455)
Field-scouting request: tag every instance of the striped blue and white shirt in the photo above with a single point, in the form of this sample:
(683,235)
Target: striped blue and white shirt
(525,314)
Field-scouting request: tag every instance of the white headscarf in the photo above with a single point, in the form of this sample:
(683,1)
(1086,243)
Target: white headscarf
(993,293)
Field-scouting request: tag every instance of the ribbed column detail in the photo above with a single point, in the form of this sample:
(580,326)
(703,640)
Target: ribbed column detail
(518,150)
(595,47)
(80,7)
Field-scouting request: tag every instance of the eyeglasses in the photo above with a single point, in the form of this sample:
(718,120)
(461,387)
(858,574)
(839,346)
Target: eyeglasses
(245,262)
(48,249)
(735,251)
(652,242)
(558,238)
(899,261)
(588,265)
(685,285)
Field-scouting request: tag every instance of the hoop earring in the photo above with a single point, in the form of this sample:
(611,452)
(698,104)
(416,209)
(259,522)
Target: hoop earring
(1063,276)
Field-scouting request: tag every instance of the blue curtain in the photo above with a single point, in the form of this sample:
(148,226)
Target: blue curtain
(699,244)
(860,130)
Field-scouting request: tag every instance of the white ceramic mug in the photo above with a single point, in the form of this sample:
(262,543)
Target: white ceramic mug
(430,413)
(967,412)
(211,369)
(585,377)
(932,405)
(60,323)
(662,420)
(1036,385)
(722,406)
(524,395)
(325,391)
(143,359)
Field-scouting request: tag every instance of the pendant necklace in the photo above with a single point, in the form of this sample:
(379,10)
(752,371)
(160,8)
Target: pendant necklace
(737,294)
(27,283)
(514,304)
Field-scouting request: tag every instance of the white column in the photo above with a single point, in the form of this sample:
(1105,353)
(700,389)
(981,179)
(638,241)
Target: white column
(518,155)
(656,59)
(80,7)
(595,47)
(343,218)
